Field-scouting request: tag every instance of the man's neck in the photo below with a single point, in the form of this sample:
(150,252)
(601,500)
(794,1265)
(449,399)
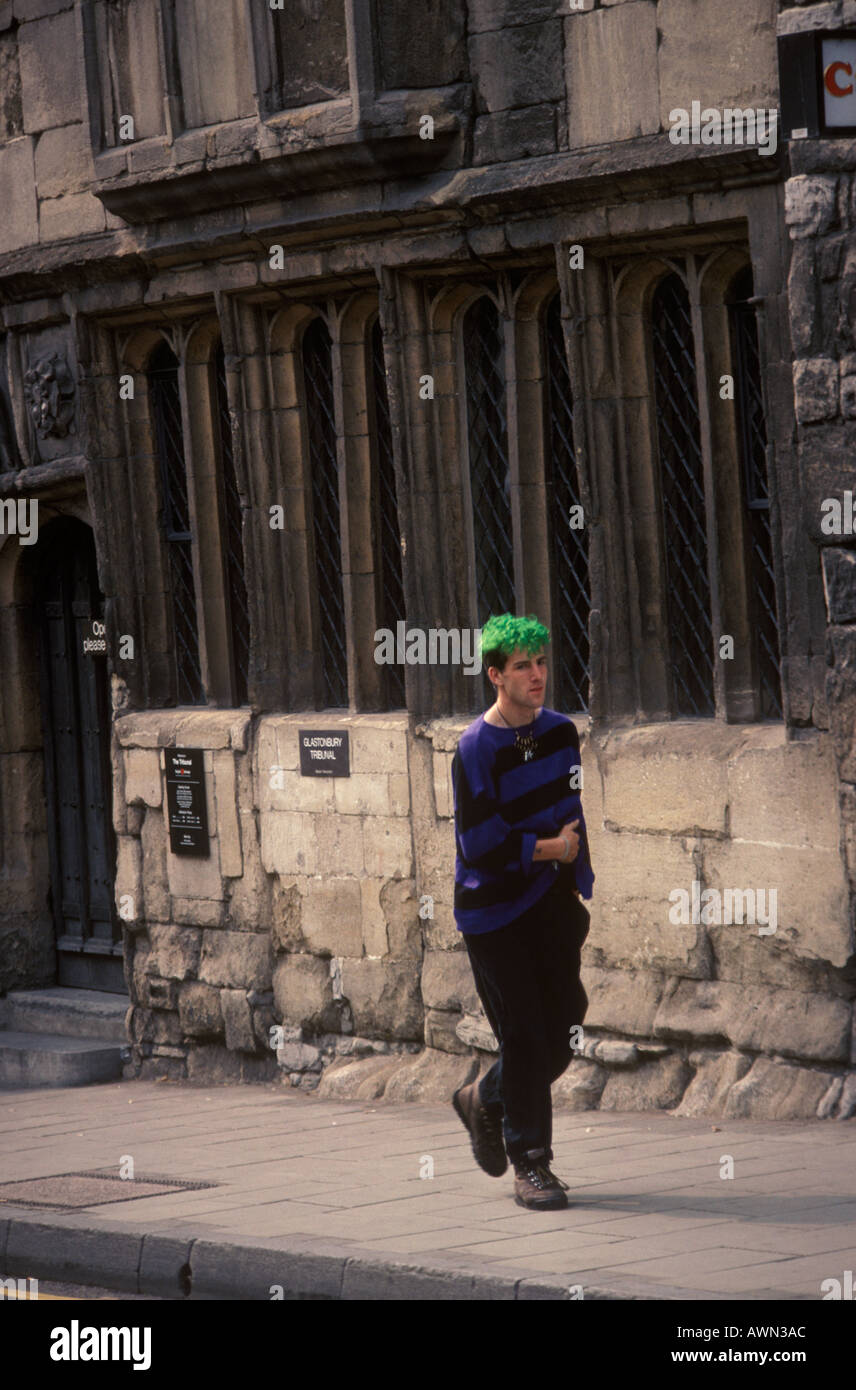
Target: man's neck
(507,713)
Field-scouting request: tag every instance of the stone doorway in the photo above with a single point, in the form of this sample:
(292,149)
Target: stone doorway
(75,711)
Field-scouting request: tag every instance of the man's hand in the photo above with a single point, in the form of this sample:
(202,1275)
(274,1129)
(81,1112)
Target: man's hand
(570,834)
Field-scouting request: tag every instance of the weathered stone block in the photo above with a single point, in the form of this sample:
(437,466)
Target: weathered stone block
(297,793)
(630,924)
(440,1026)
(174,952)
(228,823)
(444,795)
(387,846)
(430,1076)
(663,778)
(517,66)
(378,746)
(191,877)
(816,389)
(839,582)
(580,1087)
(288,843)
(501,14)
(698,56)
(622,1001)
(199,1010)
(339,840)
(237,959)
(286,933)
(198,912)
(811,913)
(363,793)
(517,134)
(143,777)
(64,161)
(373,918)
(303,991)
(129,881)
(447,982)
(475,1031)
(774,1090)
(51,76)
(657,1085)
(298,1056)
(716,1073)
(400,907)
(385,998)
(789,1022)
(19,225)
(237,1016)
(212,1062)
(158,994)
(810,204)
(70,215)
(611,74)
(331,915)
(760,793)
(361,1080)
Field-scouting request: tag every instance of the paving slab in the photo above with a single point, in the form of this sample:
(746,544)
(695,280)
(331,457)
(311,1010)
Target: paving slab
(331,1200)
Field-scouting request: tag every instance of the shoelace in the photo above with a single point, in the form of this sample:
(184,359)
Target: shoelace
(542,1177)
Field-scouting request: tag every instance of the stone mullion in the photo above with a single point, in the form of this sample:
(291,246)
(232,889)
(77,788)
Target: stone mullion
(265,549)
(294,492)
(802,618)
(723,706)
(601,470)
(349,525)
(358,527)
(196,437)
(115,520)
(740,675)
(428,526)
(527,443)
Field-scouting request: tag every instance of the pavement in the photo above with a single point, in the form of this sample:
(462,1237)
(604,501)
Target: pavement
(364,1200)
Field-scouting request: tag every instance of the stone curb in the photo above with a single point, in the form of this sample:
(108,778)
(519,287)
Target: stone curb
(74,1249)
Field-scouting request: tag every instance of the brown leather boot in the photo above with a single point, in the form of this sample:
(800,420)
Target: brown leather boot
(485,1130)
(536,1187)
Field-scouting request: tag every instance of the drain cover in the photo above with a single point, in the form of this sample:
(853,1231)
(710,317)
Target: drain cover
(89,1189)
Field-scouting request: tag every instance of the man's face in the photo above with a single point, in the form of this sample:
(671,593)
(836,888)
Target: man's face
(524,679)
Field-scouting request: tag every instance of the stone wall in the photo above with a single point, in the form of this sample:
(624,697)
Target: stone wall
(325,910)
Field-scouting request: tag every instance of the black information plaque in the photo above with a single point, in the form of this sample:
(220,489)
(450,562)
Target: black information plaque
(324,753)
(187,808)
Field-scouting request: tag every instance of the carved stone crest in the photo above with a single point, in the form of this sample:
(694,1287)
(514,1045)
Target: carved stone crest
(49,393)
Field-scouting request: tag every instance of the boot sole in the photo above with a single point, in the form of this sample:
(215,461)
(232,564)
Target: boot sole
(553,1204)
(493,1172)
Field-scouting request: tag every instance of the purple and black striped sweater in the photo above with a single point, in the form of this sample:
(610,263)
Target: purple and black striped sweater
(502,806)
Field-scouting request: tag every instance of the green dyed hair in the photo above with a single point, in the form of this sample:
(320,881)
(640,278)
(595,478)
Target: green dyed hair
(502,634)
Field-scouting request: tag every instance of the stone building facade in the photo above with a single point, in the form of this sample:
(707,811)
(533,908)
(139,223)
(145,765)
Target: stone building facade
(320,320)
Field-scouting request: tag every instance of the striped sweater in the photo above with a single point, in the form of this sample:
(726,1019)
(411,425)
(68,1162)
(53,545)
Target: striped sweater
(502,806)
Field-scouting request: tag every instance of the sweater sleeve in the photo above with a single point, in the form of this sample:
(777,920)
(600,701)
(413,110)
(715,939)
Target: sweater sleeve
(485,839)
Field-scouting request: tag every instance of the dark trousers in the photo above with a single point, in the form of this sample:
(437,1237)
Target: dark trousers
(527,975)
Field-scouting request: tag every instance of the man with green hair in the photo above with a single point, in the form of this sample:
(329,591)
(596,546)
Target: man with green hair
(522,861)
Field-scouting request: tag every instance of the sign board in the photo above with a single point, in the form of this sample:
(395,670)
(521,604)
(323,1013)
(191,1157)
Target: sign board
(186,804)
(817,83)
(838,65)
(324,753)
(94,642)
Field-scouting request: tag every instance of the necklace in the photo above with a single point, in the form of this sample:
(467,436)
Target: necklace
(525,743)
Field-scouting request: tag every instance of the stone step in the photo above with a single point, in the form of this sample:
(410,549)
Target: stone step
(68,1013)
(41,1059)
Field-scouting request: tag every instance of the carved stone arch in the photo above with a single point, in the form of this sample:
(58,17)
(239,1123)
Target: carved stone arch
(448,308)
(533,295)
(135,348)
(200,339)
(718,272)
